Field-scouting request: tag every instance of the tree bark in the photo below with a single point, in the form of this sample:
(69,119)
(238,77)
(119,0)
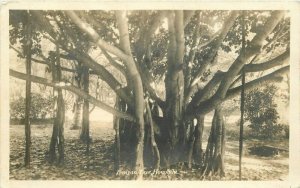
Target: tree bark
(74,90)
(174,84)
(85,128)
(78,105)
(198,151)
(215,150)
(57,138)
(242,103)
(116,123)
(177,117)
(228,23)
(27,52)
(60,121)
(137,87)
(252,49)
(77,118)
(155,150)
(191,147)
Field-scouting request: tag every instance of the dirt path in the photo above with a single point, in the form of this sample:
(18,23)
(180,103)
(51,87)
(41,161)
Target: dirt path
(255,167)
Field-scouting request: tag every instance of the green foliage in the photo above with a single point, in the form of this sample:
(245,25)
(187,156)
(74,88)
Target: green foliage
(41,107)
(261,112)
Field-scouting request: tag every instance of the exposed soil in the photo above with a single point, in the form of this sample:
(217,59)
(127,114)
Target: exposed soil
(99,164)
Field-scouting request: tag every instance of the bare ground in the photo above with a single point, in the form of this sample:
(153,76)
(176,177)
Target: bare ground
(98,164)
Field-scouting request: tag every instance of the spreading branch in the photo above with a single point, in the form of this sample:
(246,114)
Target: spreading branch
(228,23)
(207,91)
(104,74)
(44,62)
(86,28)
(114,63)
(211,103)
(74,90)
(275,76)
(253,49)
(86,59)
(277,61)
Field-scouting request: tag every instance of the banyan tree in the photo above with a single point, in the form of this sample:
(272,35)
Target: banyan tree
(167,68)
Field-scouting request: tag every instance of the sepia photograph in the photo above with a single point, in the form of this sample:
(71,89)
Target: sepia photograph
(173,94)
(149,94)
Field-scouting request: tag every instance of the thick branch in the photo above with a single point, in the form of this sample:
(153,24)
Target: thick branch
(275,76)
(253,48)
(85,27)
(279,60)
(191,57)
(137,88)
(131,67)
(113,62)
(228,23)
(204,93)
(40,61)
(125,42)
(87,60)
(72,89)
(142,50)
(104,74)
(210,104)
(153,93)
(213,83)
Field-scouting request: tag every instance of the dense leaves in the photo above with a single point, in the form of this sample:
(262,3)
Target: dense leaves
(41,107)
(261,112)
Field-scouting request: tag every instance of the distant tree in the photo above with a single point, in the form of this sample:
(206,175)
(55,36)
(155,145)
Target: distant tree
(41,107)
(261,112)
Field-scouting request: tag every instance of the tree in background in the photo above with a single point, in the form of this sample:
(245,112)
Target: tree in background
(261,112)
(41,107)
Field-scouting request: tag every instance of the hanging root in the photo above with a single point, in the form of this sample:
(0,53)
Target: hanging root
(156,154)
(214,162)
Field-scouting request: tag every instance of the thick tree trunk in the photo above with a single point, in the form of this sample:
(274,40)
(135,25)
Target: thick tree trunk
(85,135)
(137,88)
(174,84)
(27,52)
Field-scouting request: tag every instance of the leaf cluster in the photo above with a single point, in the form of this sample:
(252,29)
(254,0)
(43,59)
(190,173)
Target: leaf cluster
(41,107)
(261,112)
